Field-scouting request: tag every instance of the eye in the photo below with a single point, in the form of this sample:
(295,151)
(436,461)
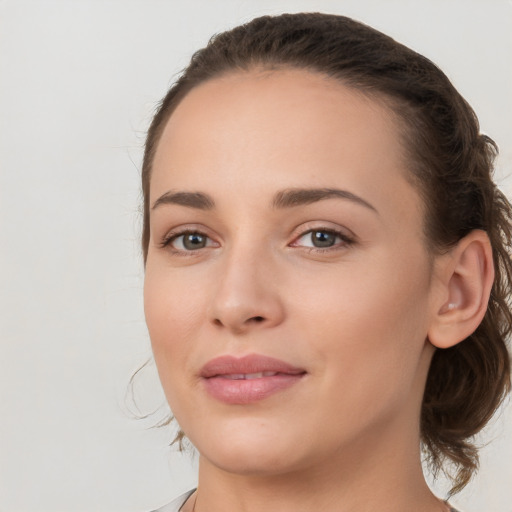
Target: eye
(189,241)
(322,239)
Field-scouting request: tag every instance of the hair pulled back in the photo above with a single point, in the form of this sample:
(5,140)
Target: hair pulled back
(450,163)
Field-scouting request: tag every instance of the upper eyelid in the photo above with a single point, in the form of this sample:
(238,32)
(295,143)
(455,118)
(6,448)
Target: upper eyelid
(187,228)
(308,227)
(340,234)
(173,235)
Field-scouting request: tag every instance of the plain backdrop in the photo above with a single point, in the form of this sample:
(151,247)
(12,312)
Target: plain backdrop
(79,81)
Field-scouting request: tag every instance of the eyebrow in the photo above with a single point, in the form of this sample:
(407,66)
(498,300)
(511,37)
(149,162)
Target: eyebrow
(290,198)
(190,199)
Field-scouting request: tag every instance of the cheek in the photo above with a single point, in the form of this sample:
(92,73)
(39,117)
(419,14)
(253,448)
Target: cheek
(173,300)
(368,323)
(174,311)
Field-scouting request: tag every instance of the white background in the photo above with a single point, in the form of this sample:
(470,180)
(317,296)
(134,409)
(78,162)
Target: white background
(79,81)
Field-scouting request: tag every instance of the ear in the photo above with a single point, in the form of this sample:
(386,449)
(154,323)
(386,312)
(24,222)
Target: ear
(465,276)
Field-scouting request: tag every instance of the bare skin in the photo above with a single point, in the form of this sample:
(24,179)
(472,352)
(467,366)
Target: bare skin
(340,285)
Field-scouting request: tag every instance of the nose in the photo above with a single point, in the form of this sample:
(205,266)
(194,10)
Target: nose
(248,296)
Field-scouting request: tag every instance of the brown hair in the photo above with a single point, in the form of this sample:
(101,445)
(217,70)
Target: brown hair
(451,164)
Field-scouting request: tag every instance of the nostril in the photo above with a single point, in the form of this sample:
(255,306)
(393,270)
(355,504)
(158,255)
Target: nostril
(238,323)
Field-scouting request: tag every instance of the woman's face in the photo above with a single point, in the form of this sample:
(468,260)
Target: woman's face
(288,288)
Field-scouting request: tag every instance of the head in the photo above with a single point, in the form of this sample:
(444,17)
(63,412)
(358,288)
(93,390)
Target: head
(444,161)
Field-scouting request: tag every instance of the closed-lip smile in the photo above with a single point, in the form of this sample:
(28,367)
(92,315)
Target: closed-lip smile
(248,379)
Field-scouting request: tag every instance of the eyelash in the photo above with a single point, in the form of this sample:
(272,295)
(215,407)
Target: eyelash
(346,241)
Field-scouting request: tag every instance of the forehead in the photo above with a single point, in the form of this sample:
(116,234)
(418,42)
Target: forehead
(293,104)
(289,127)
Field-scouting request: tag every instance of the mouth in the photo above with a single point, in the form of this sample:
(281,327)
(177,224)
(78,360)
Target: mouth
(250,376)
(249,379)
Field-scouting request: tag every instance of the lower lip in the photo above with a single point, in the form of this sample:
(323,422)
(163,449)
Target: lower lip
(246,391)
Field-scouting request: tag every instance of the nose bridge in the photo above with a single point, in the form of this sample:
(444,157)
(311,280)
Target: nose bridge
(245,297)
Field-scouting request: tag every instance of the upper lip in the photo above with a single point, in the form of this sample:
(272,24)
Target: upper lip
(249,364)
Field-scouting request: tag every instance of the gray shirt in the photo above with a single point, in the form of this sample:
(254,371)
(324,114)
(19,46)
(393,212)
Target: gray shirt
(176,504)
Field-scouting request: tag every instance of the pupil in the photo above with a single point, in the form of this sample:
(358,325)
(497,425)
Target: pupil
(194,241)
(323,239)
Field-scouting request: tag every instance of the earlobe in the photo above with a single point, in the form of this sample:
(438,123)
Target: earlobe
(466,275)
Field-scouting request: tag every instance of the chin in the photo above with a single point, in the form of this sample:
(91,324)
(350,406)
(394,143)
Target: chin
(249,451)
(246,462)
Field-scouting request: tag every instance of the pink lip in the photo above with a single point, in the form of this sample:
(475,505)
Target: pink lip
(225,378)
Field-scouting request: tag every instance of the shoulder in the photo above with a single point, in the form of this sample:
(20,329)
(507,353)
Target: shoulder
(176,504)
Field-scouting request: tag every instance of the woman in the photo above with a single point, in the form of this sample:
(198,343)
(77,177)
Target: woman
(327,269)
